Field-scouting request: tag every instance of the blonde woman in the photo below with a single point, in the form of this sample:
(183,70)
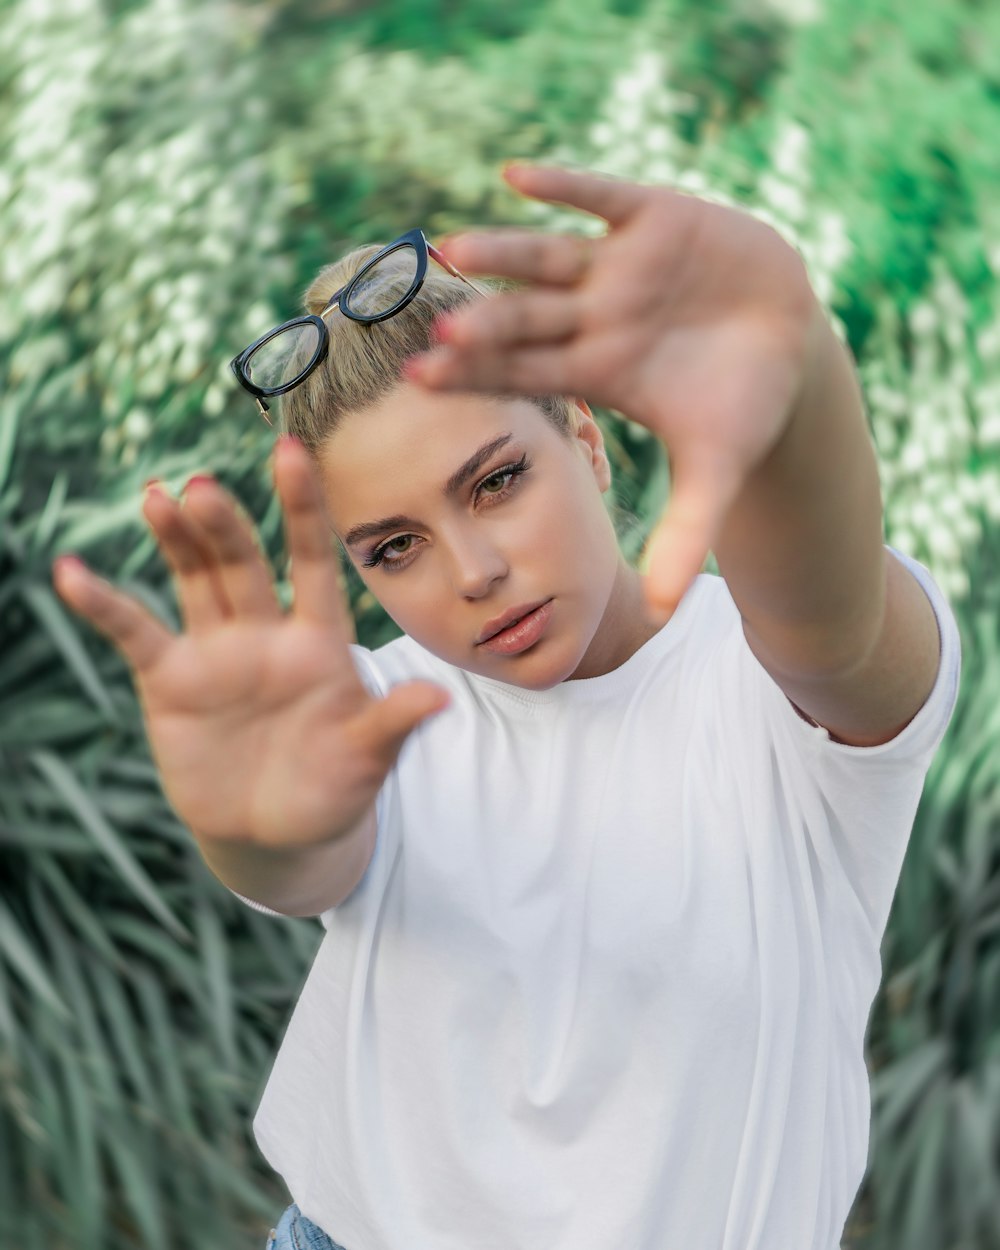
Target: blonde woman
(604,859)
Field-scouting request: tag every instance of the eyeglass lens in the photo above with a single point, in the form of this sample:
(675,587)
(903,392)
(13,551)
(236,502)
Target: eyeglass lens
(385,284)
(284,357)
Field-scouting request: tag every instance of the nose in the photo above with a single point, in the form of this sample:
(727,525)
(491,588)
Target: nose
(475,564)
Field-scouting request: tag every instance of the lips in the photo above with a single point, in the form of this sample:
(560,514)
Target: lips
(499,623)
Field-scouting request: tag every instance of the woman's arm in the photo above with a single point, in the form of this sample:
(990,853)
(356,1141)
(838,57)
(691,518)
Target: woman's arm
(698,321)
(843,628)
(301,882)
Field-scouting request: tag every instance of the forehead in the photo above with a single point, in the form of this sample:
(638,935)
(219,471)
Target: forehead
(412,436)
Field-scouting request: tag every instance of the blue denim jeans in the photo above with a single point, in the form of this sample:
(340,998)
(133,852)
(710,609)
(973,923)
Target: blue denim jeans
(295,1232)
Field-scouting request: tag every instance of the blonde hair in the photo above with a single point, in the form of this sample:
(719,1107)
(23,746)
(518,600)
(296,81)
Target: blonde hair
(363,361)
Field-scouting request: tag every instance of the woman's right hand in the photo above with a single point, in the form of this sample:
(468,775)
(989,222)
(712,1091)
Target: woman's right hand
(259,725)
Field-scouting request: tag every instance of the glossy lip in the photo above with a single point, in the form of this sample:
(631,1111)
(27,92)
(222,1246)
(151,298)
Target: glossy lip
(499,623)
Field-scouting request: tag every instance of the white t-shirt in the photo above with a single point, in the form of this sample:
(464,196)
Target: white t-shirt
(607,978)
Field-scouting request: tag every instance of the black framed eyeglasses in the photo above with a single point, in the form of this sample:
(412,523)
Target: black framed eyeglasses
(284,357)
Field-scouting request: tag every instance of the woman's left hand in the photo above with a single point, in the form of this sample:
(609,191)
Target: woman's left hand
(688,317)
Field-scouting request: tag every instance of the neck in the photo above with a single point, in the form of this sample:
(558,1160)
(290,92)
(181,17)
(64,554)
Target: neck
(624,628)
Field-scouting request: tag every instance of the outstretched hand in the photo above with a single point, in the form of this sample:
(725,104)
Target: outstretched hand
(261,728)
(688,317)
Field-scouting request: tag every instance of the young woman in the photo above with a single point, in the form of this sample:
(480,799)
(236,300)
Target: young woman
(604,860)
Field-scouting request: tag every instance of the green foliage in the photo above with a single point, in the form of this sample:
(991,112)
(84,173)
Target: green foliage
(139,1001)
(935,1035)
(174,174)
(138,229)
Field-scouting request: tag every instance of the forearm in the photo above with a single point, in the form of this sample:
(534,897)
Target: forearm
(300,881)
(802,546)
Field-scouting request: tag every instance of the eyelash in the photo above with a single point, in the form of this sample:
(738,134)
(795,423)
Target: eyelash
(513,471)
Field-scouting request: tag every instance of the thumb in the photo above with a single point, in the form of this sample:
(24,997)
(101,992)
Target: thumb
(679,545)
(404,708)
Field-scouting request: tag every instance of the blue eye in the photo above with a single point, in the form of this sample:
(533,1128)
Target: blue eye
(510,471)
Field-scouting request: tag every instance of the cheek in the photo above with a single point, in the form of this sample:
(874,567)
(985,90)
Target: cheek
(573,521)
(412,600)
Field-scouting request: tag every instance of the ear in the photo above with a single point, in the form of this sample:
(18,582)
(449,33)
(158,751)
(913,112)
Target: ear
(589,433)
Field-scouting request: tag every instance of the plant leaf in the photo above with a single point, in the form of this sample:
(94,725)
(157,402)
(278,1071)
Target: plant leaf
(50,614)
(20,954)
(79,804)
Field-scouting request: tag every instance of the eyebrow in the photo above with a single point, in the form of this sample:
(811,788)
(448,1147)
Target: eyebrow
(371,529)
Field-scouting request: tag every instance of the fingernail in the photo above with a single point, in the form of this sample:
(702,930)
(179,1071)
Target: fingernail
(441,328)
(195,480)
(68,561)
(150,481)
(447,246)
(430,368)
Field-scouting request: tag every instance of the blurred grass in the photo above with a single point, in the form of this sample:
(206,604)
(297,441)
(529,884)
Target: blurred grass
(174,173)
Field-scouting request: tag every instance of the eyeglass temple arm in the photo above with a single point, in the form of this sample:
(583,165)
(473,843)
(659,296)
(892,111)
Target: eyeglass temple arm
(456,273)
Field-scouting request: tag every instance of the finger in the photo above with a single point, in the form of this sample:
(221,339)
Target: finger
(519,317)
(317,581)
(547,259)
(202,600)
(134,630)
(388,722)
(611,198)
(703,491)
(246,579)
(518,371)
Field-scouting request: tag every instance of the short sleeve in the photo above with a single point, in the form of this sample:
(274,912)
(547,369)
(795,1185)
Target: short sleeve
(372,683)
(918,741)
(862,801)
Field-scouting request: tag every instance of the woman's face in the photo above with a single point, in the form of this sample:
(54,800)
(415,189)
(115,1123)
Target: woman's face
(523,523)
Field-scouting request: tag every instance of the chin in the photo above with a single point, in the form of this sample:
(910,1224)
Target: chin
(543,675)
(543,683)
